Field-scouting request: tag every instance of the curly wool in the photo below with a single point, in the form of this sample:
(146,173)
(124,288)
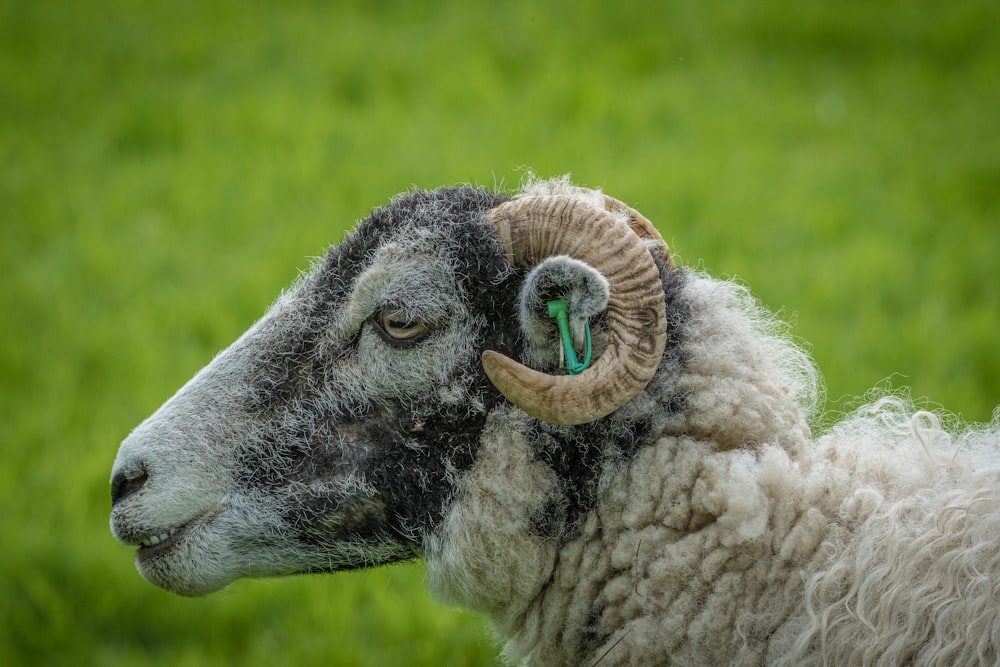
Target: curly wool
(915,576)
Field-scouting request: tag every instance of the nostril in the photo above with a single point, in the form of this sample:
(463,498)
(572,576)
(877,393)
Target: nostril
(123,486)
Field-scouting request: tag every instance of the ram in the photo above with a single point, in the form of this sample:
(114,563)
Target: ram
(608,456)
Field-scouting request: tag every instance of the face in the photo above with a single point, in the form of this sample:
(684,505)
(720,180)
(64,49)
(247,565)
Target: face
(330,435)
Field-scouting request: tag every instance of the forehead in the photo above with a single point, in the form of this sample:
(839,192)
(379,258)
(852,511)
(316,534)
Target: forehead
(418,227)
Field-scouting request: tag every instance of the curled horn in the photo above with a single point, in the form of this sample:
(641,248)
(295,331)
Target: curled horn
(532,228)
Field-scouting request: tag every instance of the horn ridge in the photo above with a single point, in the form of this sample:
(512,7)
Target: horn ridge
(642,227)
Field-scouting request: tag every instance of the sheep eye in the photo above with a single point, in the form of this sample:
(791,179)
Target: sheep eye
(397,328)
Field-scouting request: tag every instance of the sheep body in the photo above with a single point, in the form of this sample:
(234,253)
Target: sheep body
(875,544)
(700,523)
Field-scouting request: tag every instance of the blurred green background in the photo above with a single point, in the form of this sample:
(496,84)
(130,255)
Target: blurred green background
(166,170)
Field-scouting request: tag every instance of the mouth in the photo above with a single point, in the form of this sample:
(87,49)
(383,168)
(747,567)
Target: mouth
(191,557)
(160,542)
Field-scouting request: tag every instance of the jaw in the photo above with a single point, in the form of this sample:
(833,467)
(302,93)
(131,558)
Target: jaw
(191,566)
(194,550)
(187,563)
(249,537)
(192,557)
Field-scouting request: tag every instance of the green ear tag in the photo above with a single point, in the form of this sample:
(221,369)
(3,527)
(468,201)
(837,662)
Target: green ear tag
(558,310)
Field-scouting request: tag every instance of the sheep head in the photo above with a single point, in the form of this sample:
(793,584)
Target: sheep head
(333,433)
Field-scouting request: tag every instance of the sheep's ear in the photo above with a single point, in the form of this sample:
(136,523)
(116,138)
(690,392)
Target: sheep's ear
(585,292)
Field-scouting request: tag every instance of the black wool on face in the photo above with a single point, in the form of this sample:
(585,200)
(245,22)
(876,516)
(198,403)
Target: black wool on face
(405,451)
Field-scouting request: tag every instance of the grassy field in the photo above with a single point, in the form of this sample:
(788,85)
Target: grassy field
(165,171)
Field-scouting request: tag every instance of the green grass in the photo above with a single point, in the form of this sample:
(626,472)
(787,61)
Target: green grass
(164,172)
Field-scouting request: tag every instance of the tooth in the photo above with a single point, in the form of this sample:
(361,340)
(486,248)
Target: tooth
(153,540)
